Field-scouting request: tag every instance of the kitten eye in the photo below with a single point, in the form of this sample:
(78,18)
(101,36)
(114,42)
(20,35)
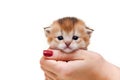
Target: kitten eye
(75,37)
(60,37)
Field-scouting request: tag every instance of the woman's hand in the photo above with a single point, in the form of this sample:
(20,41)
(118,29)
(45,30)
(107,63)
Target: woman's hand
(80,65)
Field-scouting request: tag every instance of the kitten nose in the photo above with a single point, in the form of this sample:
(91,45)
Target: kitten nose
(67,43)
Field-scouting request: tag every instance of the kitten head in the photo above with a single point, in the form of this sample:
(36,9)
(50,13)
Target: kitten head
(68,34)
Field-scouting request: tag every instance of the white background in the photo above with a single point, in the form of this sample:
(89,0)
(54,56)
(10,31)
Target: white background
(22,37)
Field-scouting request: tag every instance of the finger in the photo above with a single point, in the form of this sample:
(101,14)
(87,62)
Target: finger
(49,65)
(58,55)
(52,65)
(47,77)
(49,74)
(55,54)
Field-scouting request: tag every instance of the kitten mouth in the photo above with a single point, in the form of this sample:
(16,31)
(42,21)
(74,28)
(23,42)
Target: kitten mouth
(67,48)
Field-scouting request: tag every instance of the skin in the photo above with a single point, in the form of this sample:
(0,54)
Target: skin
(79,65)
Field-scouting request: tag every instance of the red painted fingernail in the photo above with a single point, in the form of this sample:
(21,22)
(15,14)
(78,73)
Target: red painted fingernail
(47,53)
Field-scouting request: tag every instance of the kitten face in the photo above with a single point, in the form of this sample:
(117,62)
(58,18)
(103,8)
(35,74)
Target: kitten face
(68,34)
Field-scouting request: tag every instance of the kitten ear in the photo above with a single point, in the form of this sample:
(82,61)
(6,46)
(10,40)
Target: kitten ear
(47,30)
(89,31)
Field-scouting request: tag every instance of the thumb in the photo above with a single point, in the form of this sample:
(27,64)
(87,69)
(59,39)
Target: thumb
(58,55)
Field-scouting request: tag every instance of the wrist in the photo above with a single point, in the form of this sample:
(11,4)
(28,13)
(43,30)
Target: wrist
(108,72)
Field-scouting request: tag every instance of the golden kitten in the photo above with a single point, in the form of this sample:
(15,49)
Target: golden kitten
(68,34)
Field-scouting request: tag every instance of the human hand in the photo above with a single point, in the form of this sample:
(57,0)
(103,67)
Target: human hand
(80,65)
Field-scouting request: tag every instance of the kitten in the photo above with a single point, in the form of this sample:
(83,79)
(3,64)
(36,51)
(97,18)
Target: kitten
(68,34)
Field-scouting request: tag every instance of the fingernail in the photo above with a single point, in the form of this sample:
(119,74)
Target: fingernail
(47,53)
